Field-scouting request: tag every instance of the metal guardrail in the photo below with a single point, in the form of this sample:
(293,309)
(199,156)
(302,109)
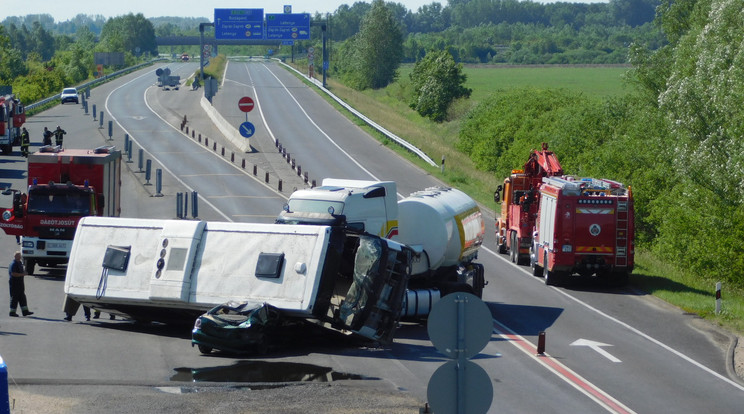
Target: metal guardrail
(94,82)
(369,122)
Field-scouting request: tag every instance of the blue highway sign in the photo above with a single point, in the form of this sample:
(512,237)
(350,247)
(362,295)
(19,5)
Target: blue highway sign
(284,26)
(238,23)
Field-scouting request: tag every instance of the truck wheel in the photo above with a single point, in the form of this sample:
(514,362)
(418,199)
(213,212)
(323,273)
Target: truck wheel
(501,241)
(552,278)
(205,349)
(30,266)
(537,270)
(514,249)
(502,245)
(6,149)
(479,280)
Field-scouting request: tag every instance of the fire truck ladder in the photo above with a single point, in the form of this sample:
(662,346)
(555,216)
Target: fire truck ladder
(621,250)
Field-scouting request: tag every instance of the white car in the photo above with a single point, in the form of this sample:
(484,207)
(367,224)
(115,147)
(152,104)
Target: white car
(69,95)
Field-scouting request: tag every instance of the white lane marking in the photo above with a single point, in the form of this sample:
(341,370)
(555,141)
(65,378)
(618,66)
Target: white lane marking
(596,346)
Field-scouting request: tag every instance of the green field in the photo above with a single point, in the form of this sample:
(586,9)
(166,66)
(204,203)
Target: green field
(594,81)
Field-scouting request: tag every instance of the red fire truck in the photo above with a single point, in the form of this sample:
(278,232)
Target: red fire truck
(584,226)
(12,117)
(63,186)
(520,203)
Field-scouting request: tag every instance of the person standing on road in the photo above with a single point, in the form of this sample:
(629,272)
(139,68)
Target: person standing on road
(58,133)
(25,142)
(16,273)
(47,137)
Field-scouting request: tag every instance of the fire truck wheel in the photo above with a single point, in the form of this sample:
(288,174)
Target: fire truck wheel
(30,266)
(537,270)
(552,278)
(514,249)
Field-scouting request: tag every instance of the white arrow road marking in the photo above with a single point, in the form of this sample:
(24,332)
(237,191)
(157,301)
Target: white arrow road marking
(597,347)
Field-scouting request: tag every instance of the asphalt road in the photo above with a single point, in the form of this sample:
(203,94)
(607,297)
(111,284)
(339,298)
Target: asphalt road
(607,349)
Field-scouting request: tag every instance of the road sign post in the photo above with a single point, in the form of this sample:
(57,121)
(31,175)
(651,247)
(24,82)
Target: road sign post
(460,326)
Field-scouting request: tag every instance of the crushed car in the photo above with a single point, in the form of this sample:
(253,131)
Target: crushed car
(241,327)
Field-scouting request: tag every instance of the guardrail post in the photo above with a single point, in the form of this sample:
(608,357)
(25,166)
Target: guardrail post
(110,129)
(100,124)
(129,152)
(141,159)
(179,205)
(158,182)
(126,142)
(195,205)
(94,112)
(148,172)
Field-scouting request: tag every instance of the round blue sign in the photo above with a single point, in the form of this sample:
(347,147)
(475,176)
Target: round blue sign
(247,129)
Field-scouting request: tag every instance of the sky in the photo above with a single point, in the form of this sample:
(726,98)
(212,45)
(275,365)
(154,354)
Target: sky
(62,10)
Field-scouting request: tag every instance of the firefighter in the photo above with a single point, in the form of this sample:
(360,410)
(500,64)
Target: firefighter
(47,136)
(58,133)
(25,142)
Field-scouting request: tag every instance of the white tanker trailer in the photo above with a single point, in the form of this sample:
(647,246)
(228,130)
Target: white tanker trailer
(442,225)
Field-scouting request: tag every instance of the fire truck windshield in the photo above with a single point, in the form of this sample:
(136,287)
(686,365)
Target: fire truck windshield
(59,203)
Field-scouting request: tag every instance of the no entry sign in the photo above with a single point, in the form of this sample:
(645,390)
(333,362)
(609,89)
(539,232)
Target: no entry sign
(245,104)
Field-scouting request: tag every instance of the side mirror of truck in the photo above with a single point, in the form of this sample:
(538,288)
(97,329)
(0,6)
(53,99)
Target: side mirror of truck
(497,194)
(18,201)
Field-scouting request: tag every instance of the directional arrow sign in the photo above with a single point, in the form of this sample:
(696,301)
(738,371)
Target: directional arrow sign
(247,129)
(597,347)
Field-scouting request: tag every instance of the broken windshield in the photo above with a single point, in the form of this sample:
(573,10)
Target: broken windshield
(366,270)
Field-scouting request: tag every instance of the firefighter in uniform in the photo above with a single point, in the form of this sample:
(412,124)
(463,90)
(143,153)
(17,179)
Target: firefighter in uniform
(25,142)
(47,136)
(58,133)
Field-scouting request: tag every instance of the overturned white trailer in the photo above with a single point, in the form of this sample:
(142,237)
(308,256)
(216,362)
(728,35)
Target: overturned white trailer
(175,270)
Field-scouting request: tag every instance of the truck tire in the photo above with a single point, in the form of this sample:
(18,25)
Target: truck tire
(30,266)
(6,149)
(514,248)
(204,349)
(501,244)
(552,278)
(537,270)
(479,280)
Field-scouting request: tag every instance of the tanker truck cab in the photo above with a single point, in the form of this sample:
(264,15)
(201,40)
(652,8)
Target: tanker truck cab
(359,206)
